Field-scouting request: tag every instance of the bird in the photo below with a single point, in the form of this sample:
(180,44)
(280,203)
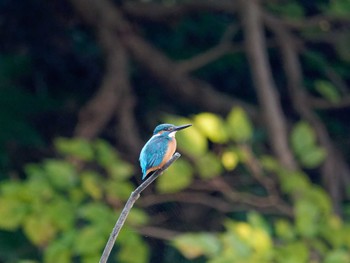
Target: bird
(159,149)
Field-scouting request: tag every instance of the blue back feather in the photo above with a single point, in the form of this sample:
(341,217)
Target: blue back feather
(153,152)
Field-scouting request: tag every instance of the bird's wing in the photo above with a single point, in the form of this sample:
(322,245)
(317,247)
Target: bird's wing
(153,152)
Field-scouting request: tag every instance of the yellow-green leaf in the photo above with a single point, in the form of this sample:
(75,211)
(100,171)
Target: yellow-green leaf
(105,154)
(91,184)
(284,230)
(137,217)
(230,160)
(239,125)
(119,189)
(61,173)
(302,137)
(39,229)
(133,249)
(177,177)
(212,126)
(327,90)
(209,166)
(312,157)
(89,240)
(77,147)
(193,245)
(190,140)
(12,213)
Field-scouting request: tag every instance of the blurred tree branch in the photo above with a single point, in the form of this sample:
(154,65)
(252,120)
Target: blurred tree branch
(335,170)
(176,82)
(263,82)
(165,13)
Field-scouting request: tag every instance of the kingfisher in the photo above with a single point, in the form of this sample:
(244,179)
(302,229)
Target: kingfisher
(159,148)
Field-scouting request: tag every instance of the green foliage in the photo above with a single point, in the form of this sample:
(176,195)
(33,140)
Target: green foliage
(193,245)
(313,228)
(339,8)
(212,126)
(291,9)
(303,141)
(209,166)
(78,147)
(192,142)
(89,183)
(327,90)
(62,207)
(177,178)
(239,125)
(76,196)
(132,247)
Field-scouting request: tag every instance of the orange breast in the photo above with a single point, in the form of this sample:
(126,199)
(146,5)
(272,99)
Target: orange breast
(169,153)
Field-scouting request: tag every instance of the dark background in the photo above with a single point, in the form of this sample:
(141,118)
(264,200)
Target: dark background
(113,70)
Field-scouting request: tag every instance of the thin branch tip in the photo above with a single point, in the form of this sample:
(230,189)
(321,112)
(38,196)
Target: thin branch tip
(129,204)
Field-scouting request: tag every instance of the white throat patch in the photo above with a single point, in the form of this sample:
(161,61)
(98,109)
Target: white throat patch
(172,134)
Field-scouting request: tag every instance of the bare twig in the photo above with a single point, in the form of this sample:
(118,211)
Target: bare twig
(129,204)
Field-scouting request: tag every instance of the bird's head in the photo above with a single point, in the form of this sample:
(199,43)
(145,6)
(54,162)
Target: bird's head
(168,129)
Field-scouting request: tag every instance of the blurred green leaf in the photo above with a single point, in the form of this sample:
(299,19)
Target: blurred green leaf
(296,252)
(56,209)
(303,140)
(212,126)
(327,90)
(91,184)
(313,157)
(60,250)
(137,217)
(307,216)
(258,221)
(61,173)
(193,245)
(302,137)
(209,166)
(337,256)
(341,44)
(239,125)
(270,163)
(98,213)
(77,147)
(229,160)
(88,240)
(12,213)
(293,182)
(120,170)
(285,230)
(177,177)
(91,258)
(338,8)
(105,154)
(119,190)
(132,248)
(191,140)
(291,9)
(39,229)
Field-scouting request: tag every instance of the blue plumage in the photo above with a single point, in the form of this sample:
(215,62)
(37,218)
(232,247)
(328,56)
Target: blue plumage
(159,148)
(153,152)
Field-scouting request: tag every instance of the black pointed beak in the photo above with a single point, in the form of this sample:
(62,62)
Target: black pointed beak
(177,128)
